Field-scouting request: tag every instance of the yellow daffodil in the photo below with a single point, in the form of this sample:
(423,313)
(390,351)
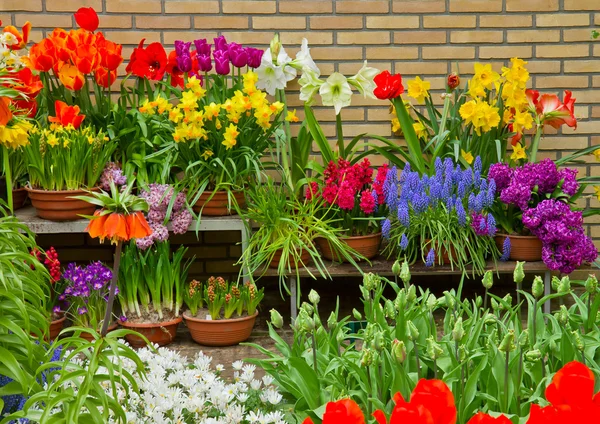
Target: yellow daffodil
(467,156)
(480,114)
(421,130)
(207,154)
(485,75)
(476,89)
(189,101)
(146,108)
(230,137)
(522,121)
(597,192)
(518,152)
(517,74)
(291,116)
(195,85)
(212,110)
(395,125)
(418,89)
(597,154)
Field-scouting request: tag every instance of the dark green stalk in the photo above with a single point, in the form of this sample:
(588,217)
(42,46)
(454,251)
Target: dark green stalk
(520,377)
(506,376)
(314,346)
(418,360)
(340,135)
(113,289)
(485,299)
(534,329)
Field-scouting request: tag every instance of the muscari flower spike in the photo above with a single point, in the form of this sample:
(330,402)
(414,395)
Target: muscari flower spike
(430,259)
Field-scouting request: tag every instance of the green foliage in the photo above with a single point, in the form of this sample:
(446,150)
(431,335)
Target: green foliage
(18,167)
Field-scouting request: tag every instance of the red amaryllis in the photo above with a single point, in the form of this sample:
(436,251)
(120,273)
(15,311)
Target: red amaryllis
(87,18)
(150,62)
(66,115)
(481,418)
(174,71)
(344,411)
(388,86)
(551,110)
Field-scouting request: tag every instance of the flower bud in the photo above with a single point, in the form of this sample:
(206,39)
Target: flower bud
(492,338)
(411,331)
(508,300)
(308,308)
(378,341)
(405,273)
(453,81)
(390,309)
(275,47)
(488,280)
(533,355)
(591,284)
(276,319)
(367,357)
(478,301)
(431,302)
(371,281)
(508,342)
(537,288)
(434,350)
(490,319)
(399,350)
(524,338)
(357,315)
(562,316)
(577,341)
(314,297)
(458,332)
(519,274)
(462,353)
(411,294)
(332,320)
(396,268)
(450,301)
(564,286)
(494,304)
(555,282)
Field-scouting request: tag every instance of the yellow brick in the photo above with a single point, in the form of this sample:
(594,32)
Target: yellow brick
(558,143)
(459,21)
(133,6)
(595,81)
(588,127)
(41,21)
(392,53)
(421,68)
(354,130)
(371,37)
(475,6)
(313,37)
(581,5)
(562,20)
(133,37)
(279,22)
(336,53)
(392,22)
(192,6)
(561,81)
(596,112)
(71,5)
(364,6)
(476,37)
(420,37)
(501,52)
(446,52)
(305,7)
(163,22)
(248,7)
(248,37)
(533,36)
(352,68)
(21,5)
(418,6)
(587,96)
(350,114)
(584,66)
(570,35)
(505,21)
(379,114)
(220,22)
(169,37)
(573,50)
(531,5)
(543,67)
(596,50)
(115,21)
(334,22)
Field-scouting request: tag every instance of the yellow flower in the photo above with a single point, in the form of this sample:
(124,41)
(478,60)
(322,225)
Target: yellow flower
(476,89)
(211,110)
(195,85)
(15,135)
(597,192)
(52,140)
(207,153)
(485,75)
(480,114)
(231,133)
(468,111)
(517,74)
(467,156)
(421,130)
(277,107)
(395,125)
(250,80)
(507,116)
(518,152)
(418,89)
(597,154)
(175,115)
(189,101)
(146,108)
(522,121)
(291,116)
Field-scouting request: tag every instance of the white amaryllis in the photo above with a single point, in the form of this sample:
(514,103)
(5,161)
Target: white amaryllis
(363,80)
(336,92)
(271,76)
(304,60)
(309,85)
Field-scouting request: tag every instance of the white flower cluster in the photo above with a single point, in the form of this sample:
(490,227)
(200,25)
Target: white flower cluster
(9,57)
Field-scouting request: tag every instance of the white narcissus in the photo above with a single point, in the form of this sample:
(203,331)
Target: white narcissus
(363,80)
(309,85)
(336,92)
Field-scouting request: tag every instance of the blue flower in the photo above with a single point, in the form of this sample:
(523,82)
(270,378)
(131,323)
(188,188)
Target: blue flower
(506,247)
(449,204)
(430,260)
(403,214)
(375,199)
(462,189)
(467,178)
(448,167)
(386,227)
(403,242)
(435,190)
(477,165)
(472,202)
(491,193)
(439,166)
(483,225)
(405,172)
(462,215)
(491,225)
(420,203)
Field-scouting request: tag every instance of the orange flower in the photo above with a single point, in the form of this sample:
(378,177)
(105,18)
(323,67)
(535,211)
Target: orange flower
(66,115)
(343,411)
(42,56)
(138,226)
(78,37)
(118,227)
(22,38)
(5,113)
(71,77)
(110,53)
(102,76)
(96,226)
(27,82)
(115,228)
(86,58)
(87,18)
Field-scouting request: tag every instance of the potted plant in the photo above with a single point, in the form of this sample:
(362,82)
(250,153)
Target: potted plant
(441,219)
(221,313)
(63,161)
(18,172)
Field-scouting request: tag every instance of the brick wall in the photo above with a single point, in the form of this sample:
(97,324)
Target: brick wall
(424,37)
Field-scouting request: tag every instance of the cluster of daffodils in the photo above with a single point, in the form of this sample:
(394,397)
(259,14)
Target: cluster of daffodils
(12,43)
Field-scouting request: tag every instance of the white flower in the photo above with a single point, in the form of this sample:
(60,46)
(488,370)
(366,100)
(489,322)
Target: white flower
(271,77)
(336,92)
(267,380)
(309,85)
(220,367)
(255,384)
(237,365)
(363,80)
(304,59)
(283,60)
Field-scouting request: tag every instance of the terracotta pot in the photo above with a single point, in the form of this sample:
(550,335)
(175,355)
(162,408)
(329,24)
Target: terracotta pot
(443,252)
(19,198)
(304,256)
(161,333)
(222,332)
(56,327)
(522,248)
(217,204)
(90,338)
(58,206)
(368,246)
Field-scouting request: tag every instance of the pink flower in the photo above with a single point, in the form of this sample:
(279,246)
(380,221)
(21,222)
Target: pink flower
(346,195)
(379,181)
(330,193)
(312,191)
(367,202)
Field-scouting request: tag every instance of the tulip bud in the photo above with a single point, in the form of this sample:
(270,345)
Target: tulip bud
(555,283)
(562,316)
(308,308)
(508,300)
(390,309)
(519,274)
(490,319)
(492,338)
(577,341)
(431,302)
(396,268)
(357,315)
(450,301)
(564,286)
(553,346)
(332,320)
(314,297)
(488,280)
(462,353)
(508,342)
(412,331)
(494,304)
(276,319)
(275,47)
(371,281)
(453,81)
(434,350)
(478,301)
(591,284)
(537,288)
(405,273)
(458,332)
(378,341)
(533,355)
(399,350)
(524,338)
(411,294)
(367,357)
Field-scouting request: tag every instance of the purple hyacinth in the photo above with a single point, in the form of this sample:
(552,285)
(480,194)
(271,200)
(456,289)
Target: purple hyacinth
(386,228)
(501,173)
(545,174)
(430,259)
(403,242)
(569,186)
(506,248)
(479,224)
(112,173)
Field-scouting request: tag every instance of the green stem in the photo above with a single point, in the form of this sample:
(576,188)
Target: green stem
(519,382)
(506,376)
(340,135)
(534,329)
(8,178)
(418,360)
(284,147)
(314,348)
(444,118)
(113,289)
(535,143)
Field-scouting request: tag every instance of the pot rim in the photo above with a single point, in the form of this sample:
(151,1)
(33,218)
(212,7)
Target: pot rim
(516,236)
(35,191)
(55,321)
(159,324)
(19,189)
(218,321)
(373,235)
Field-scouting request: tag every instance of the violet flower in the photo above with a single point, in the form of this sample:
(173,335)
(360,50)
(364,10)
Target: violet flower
(506,248)
(430,259)
(254,57)
(222,66)
(204,62)
(202,47)
(238,55)
(220,43)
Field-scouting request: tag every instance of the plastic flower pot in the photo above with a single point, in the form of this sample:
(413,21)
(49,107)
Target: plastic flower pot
(522,248)
(59,206)
(221,332)
(217,203)
(56,327)
(161,333)
(304,256)
(19,198)
(368,246)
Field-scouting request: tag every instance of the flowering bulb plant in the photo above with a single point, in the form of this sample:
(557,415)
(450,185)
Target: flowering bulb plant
(351,195)
(443,218)
(49,258)
(222,299)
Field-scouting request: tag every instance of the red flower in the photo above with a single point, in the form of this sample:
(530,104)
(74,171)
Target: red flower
(388,86)
(149,62)
(481,418)
(66,115)
(345,197)
(551,110)
(367,202)
(110,53)
(453,81)
(312,191)
(378,183)
(102,77)
(87,18)
(173,70)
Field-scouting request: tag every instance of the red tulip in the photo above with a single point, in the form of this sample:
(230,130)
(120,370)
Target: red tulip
(102,77)
(149,62)
(572,385)
(388,86)
(87,18)
(174,71)
(66,115)
(344,411)
(481,418)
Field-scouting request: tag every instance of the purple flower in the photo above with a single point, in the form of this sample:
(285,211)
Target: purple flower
(461,214)
(491,193)
(181,221)
(430,259)
(204,62)
(182,48)
(518,193)
(506,247)
(254,57)
(479,224)
(477,165)
(403,242)
(202,47)
(238,55)
(569,186)
(491,225)
(375,199)
(386,227)
(56,309)
(403,214)
(82,310)
(123,318)
(501,173)
(545,175)
(439,167)
(220,43)
(222,66)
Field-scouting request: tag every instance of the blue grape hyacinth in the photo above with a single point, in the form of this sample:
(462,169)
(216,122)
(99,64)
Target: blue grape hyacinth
(430,259)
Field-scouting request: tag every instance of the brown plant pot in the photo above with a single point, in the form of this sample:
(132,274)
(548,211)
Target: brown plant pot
(90,338)
(161,333)
(444,253)
(19,197)
(221,332)
(217,203)
(304,256)
(58,205)
(56,327)
(522,248)
(367,245)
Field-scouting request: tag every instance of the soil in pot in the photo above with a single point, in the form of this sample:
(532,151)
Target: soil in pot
(304,256)
(162,332)
(56,326)
(59,206)
(217,203)
(90,338)
(367,245)
(221,332)
(522,248)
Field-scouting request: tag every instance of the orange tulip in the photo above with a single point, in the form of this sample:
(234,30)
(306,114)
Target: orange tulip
(102,77)
(78,37)
(5,113)
(86,58)
(22,38)
(138,226)
(96,226)
(66,115)
(71,77)
(110,53)
(42,56)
